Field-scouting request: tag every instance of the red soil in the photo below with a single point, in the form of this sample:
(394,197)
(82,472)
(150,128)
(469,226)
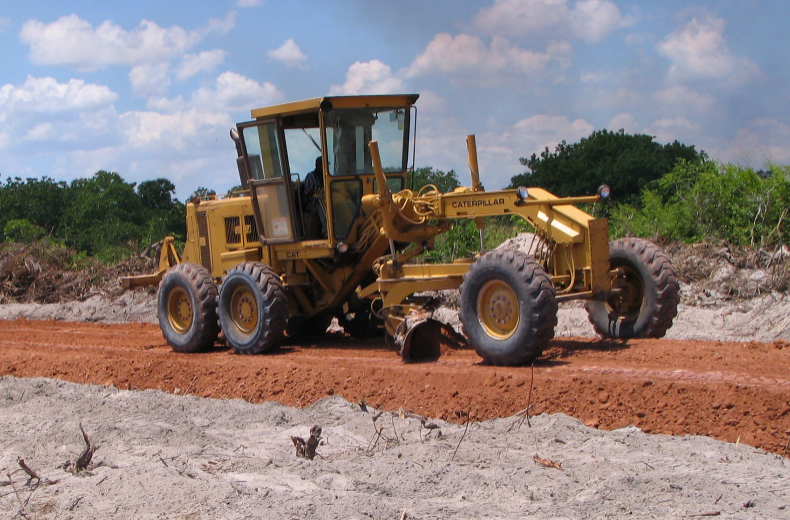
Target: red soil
(729,391)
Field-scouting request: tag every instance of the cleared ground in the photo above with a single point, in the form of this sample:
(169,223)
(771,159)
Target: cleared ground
(736,392)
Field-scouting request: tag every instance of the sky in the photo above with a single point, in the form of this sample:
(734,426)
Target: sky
(150,89)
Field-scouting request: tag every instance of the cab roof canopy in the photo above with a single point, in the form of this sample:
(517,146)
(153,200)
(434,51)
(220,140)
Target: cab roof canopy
(313,105)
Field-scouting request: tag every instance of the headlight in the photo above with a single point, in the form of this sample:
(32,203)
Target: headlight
(522,193)
(342,247)
(604,191)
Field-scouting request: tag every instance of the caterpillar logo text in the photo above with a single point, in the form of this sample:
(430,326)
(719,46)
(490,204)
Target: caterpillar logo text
(476,203)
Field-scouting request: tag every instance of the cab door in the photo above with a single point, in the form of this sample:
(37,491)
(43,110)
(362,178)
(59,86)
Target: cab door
(269,181)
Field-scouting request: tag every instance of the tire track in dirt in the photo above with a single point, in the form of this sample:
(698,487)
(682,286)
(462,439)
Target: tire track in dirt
(730,391)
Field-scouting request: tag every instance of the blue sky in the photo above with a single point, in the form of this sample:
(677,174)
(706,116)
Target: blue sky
(150,88)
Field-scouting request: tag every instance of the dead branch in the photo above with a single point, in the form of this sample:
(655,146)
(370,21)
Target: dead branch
(25,512)
(547,462)
(462,436)
(85,459)
(27,469)
(186,392)
(306,449)
(712,513)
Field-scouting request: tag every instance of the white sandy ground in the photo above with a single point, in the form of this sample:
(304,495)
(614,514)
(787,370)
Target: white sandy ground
(171,456)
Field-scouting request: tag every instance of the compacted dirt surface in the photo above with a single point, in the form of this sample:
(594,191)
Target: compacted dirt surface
(735,392)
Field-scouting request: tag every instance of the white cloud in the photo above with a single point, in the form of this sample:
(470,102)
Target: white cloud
(469,56)
(41,110)
(681,98)
(589,20)
(290,54)
(624,122)
(234,92)
(41,132)
(537,132)
(698,51)
(38,95)
(74,42)
(206,61)
(147,129)
(762,140)
(221,25)
(248,3)
(596,77)
(149,80)
(667,130)
(4,22)
(370,77)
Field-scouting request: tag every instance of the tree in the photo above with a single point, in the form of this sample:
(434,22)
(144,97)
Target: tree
(103,211)
(627,163)
(40,202)
(444,181)
(165,214)
(156,194)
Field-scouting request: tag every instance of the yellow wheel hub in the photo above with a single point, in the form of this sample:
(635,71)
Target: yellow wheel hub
(244,310)
(179,310)
(498,309)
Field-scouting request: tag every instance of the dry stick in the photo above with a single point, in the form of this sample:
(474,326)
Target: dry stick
(786,445)
(525,412)
(16,492)
(87,455)
(27,469)
(462,436)
(186,392)
(403,516)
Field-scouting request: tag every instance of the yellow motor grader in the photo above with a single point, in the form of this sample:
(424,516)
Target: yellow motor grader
(327,228)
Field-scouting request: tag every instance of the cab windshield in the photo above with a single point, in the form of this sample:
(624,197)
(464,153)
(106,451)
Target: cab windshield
(348,132)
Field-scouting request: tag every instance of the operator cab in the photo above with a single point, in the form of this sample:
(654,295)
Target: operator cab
(285,143)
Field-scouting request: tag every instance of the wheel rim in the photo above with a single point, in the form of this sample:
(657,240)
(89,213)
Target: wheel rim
(498,309)
(244,310)
(626,306)
(179,310)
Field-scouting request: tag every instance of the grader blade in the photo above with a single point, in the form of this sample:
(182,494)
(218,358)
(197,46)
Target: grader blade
(421,338)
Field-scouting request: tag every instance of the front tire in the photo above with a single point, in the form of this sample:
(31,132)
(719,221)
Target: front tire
(508,308)
(187,308)
(252,308)
(650,296)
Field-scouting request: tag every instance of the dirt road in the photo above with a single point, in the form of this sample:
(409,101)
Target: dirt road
(736,392)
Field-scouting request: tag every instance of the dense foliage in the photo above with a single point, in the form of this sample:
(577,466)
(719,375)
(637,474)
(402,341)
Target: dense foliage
(444,181)
(700,201)
(102,216)
(625,162)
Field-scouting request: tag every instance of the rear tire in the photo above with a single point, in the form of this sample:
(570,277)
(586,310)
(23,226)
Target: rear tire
(650,300)
(187,308)
(508,308)
(252,308)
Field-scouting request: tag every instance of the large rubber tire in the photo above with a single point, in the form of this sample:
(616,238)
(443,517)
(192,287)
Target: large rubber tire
(508,308)
(650,301)
(252,308)
(187,308)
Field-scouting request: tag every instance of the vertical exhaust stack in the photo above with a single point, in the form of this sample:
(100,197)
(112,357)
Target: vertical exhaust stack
(474,167)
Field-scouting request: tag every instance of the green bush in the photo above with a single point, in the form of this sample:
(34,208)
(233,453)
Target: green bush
(21,230)
(463,240)
(709,201)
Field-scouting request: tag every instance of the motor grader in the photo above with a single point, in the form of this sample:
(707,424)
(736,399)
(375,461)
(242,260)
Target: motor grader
(279,260)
